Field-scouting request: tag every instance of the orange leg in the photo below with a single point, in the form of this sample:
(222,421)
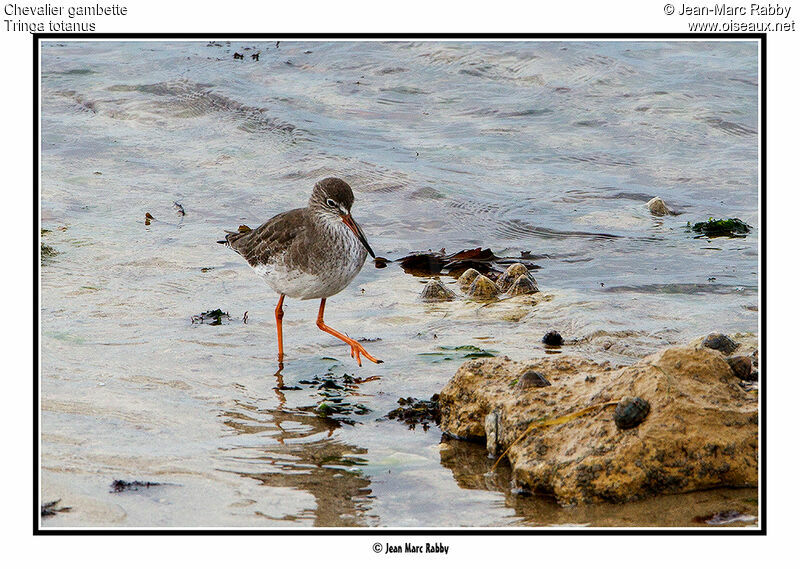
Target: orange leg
(279,324)
(356,349)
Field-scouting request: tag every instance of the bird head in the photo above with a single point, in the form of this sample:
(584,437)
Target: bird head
(334,197)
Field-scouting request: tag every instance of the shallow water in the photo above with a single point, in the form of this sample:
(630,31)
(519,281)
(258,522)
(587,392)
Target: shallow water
(548,147)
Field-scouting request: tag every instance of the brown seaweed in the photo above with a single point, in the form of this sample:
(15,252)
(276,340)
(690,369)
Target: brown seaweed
(123,486)
(432,263)
(51,509)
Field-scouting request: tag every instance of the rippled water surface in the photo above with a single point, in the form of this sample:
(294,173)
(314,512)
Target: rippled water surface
(547,147)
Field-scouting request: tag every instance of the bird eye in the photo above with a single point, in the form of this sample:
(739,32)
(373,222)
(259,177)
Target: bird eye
(330,202)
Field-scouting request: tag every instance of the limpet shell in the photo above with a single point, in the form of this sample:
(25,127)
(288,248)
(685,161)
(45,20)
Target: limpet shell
(721,342)
(531,378)
(511,274)
(467,277)
(630,412)
(525,284)
(435,291)
(482,288)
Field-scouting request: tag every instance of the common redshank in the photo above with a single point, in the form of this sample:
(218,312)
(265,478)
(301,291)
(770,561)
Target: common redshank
(310,252)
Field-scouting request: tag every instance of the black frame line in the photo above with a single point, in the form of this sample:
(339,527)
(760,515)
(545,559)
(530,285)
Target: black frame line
(369,531)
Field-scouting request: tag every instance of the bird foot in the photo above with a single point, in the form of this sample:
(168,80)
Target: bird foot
(357,350)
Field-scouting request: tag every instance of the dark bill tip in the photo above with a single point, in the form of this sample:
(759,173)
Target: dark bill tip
(354,227)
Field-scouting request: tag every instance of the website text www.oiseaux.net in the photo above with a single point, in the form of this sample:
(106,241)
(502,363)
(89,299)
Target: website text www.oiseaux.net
(733,26)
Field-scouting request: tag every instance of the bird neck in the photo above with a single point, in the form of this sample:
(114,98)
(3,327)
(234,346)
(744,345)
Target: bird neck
(327,221)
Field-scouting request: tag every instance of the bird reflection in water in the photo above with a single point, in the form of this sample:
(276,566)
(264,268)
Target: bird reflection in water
(296,448)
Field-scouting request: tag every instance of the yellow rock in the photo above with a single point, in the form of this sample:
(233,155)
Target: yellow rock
(701,431)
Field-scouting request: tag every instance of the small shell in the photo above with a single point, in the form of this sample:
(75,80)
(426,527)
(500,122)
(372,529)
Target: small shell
(482,288)
(525,284)
(720,342)
(511,274)
(466,278)
(630,412)
(658,207)
(530,379)
(435,291)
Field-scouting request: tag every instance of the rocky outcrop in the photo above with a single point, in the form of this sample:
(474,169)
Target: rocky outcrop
(701,429)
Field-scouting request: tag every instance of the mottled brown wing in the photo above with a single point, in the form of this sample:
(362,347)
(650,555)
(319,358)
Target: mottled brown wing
(272,238)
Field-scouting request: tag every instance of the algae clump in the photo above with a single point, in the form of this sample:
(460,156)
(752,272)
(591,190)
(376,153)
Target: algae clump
(733,227)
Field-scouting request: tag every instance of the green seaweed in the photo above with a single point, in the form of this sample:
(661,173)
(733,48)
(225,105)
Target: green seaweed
(436,357)
(472,351)
(336,392)
(415,412)
(466,351)
(339,407)
(211,317)
(480,354)
(733,227)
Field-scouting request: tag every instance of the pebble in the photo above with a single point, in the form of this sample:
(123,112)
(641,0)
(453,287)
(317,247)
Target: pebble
(552,338)
(658,207)
(742,366)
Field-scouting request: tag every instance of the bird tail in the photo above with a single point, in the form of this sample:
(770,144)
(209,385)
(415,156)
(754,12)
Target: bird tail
(232,236)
